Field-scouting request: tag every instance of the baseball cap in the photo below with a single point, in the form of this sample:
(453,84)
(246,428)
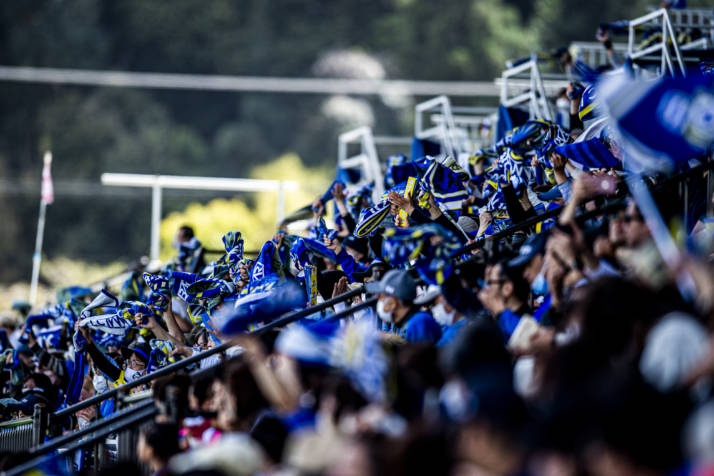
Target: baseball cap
(369,272)
(534,245)
(397,283)
(432,292)
(142,349)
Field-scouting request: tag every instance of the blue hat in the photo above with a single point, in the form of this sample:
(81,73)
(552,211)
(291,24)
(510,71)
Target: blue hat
(534,245)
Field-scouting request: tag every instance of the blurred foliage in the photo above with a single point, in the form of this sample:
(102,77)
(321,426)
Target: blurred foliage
(94,130)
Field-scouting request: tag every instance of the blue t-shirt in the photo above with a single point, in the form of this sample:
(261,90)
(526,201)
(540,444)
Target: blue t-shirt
(508,321)
(449,333)
(421,327)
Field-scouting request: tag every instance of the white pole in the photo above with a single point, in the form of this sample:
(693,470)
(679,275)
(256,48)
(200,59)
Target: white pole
(280,212)
(660,234)
(37,255)
(155,220)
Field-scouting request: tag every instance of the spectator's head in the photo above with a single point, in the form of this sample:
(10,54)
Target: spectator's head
(157,444)
(198,337)
(509,284)
(374,272)
(201,394)
(636,231)
(25,356)
(9,321)
(137,360)
(530,259)
(38,382)
(239,399)
(358,248)
(396,292)
(270,432)
(184,234)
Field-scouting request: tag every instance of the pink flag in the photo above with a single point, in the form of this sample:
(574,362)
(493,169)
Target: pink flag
(48,192)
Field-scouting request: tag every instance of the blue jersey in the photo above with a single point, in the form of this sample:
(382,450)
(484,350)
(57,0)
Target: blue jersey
(421,327)
(449,333)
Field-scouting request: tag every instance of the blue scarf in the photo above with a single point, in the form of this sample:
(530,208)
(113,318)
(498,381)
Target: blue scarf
(432,261)
(444,178)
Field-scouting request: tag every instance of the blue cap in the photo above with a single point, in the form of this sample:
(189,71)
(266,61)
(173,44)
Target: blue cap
(534,245)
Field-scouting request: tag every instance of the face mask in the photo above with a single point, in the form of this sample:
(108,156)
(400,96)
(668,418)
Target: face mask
(562,103)
(384,315)
(441,316)
(100,383)
(130,374)
(539,284)
(175,244)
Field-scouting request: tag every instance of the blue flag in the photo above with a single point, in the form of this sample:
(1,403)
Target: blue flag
(591,154)
(661,124)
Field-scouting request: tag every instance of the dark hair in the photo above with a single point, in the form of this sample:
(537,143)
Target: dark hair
(178,383)
(186,232)
(270,432)
(249,400)
(521,288)
(202,387)
(42,381)
(163,439)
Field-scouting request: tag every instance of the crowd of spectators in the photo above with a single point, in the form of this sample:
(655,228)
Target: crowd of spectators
(498,343)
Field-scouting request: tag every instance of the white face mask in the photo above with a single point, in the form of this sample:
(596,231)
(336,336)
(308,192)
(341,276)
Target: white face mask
(130,374)
(100,383)
(442,317)
(384,315)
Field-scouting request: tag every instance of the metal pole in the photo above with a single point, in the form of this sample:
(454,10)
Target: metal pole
(280,212)
(37,255)
(155,219)
(39,424)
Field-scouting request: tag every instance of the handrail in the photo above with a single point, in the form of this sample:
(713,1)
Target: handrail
(115,426)
(15,423)
(284,319)
(57,442)
(140,411)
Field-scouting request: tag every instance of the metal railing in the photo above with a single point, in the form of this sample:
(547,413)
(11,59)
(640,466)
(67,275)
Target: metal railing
(454,140)
(534,97)
(17,435)
(367,160)
(124,423)
(660,18)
